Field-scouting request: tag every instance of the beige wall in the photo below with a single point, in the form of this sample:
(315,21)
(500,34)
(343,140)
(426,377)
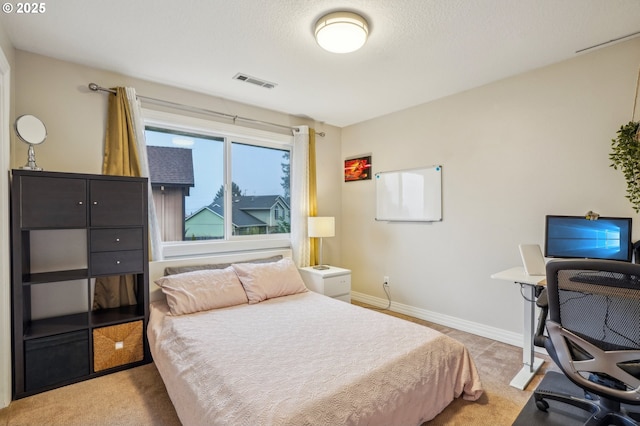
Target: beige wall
(512,152)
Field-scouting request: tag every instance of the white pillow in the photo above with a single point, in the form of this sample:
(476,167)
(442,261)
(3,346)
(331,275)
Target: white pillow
(263,281)
(202,290)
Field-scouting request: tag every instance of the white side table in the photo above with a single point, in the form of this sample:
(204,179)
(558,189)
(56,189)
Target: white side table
(333,282)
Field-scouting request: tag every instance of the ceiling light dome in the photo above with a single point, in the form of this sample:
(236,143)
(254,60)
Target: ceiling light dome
(341,32)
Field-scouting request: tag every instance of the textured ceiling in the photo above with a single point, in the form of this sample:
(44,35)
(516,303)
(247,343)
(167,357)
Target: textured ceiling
(418,50)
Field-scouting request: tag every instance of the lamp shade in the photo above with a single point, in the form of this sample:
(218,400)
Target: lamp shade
(322,226)
(341,32)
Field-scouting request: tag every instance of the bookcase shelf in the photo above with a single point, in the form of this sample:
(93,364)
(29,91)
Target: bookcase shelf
(55,276)
(105,317)
(56,325)
(53,344)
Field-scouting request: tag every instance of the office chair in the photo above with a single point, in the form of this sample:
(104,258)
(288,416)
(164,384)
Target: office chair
(594,337)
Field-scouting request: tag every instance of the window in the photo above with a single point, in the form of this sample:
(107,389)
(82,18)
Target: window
(186,169)
(260,187)
(212,182)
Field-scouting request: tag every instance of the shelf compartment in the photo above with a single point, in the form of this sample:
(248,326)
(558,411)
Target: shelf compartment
(55,276)
(56,325)
(56,359)
(106,317)
(117,345)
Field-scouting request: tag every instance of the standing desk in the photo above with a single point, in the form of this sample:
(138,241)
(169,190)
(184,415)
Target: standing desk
(531,364)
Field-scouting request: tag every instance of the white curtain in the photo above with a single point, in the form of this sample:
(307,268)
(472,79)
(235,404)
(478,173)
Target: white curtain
(141,144)
(300,197)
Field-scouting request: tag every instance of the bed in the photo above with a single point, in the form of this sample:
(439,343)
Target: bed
(295,357)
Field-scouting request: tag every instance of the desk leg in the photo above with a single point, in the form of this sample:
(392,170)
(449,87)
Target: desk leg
(530,364)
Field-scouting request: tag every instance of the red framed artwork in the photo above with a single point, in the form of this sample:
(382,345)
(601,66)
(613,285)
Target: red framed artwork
(357,169)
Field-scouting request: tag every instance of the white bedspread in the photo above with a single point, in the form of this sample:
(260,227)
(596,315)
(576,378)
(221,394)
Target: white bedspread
(306,359)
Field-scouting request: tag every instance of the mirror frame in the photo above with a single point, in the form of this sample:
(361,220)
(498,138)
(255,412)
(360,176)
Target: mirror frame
(30,129)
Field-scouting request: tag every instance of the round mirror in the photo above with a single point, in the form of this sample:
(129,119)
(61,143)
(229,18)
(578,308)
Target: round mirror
(30,129)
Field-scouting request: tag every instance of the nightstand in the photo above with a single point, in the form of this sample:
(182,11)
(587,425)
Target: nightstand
(333,282)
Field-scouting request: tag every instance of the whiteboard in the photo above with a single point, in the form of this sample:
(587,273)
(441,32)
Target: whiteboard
(413,195)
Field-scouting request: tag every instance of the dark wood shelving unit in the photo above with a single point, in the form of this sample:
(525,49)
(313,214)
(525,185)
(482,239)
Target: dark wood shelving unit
(110,214)
(55,276)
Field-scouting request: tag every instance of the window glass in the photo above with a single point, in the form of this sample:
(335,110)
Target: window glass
(186,171)
(260,190)
(188,177)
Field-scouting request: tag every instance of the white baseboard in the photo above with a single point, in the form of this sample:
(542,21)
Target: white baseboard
(498,334)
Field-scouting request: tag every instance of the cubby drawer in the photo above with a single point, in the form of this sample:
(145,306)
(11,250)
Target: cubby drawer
(116,239)
(337,286)
(56,359)
(116,262)
(117,345)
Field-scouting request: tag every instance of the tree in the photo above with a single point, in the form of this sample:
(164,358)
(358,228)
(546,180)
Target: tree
(286,175)
(235,191)
(283,227)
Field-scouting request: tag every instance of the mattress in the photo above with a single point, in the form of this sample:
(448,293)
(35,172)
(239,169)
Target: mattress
(306,359)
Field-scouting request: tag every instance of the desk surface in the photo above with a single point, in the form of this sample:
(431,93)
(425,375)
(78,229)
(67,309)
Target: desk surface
(518,275)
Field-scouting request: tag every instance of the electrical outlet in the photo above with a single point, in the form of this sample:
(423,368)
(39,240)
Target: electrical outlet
(385,281)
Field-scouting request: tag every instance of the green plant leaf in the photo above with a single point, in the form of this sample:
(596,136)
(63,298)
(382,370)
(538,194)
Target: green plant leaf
(625,156)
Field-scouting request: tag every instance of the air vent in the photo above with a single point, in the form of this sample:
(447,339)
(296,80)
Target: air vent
(253,80)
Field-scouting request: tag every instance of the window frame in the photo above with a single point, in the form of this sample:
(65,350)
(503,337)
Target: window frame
(231,133)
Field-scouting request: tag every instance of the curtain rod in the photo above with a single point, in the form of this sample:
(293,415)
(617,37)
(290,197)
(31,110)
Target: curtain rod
(95,88)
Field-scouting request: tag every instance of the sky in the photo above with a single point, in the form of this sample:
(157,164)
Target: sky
(256,170)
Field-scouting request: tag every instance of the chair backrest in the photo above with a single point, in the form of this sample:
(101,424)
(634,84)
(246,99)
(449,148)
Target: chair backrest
(594,325)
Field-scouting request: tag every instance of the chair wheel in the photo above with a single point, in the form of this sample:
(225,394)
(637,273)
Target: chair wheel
(542,405)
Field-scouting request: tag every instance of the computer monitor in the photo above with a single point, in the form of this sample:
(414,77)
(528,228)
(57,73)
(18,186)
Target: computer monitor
(577,237)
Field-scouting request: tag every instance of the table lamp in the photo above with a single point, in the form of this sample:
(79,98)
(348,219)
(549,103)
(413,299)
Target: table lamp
(321,227)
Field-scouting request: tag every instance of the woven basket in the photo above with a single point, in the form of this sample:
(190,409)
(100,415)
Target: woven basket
(117,345)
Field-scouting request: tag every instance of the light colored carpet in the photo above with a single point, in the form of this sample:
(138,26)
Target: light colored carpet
(138,396)
(130,397)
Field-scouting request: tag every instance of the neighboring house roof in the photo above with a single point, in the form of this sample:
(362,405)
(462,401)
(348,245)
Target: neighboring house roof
(257,202)
(241,205)
(241,218)
(197,212)
(170,166)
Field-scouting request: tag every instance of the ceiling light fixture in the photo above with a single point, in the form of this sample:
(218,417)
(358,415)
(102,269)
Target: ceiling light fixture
(341,32)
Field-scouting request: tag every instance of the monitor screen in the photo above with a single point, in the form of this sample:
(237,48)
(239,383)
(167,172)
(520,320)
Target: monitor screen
(577,237)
